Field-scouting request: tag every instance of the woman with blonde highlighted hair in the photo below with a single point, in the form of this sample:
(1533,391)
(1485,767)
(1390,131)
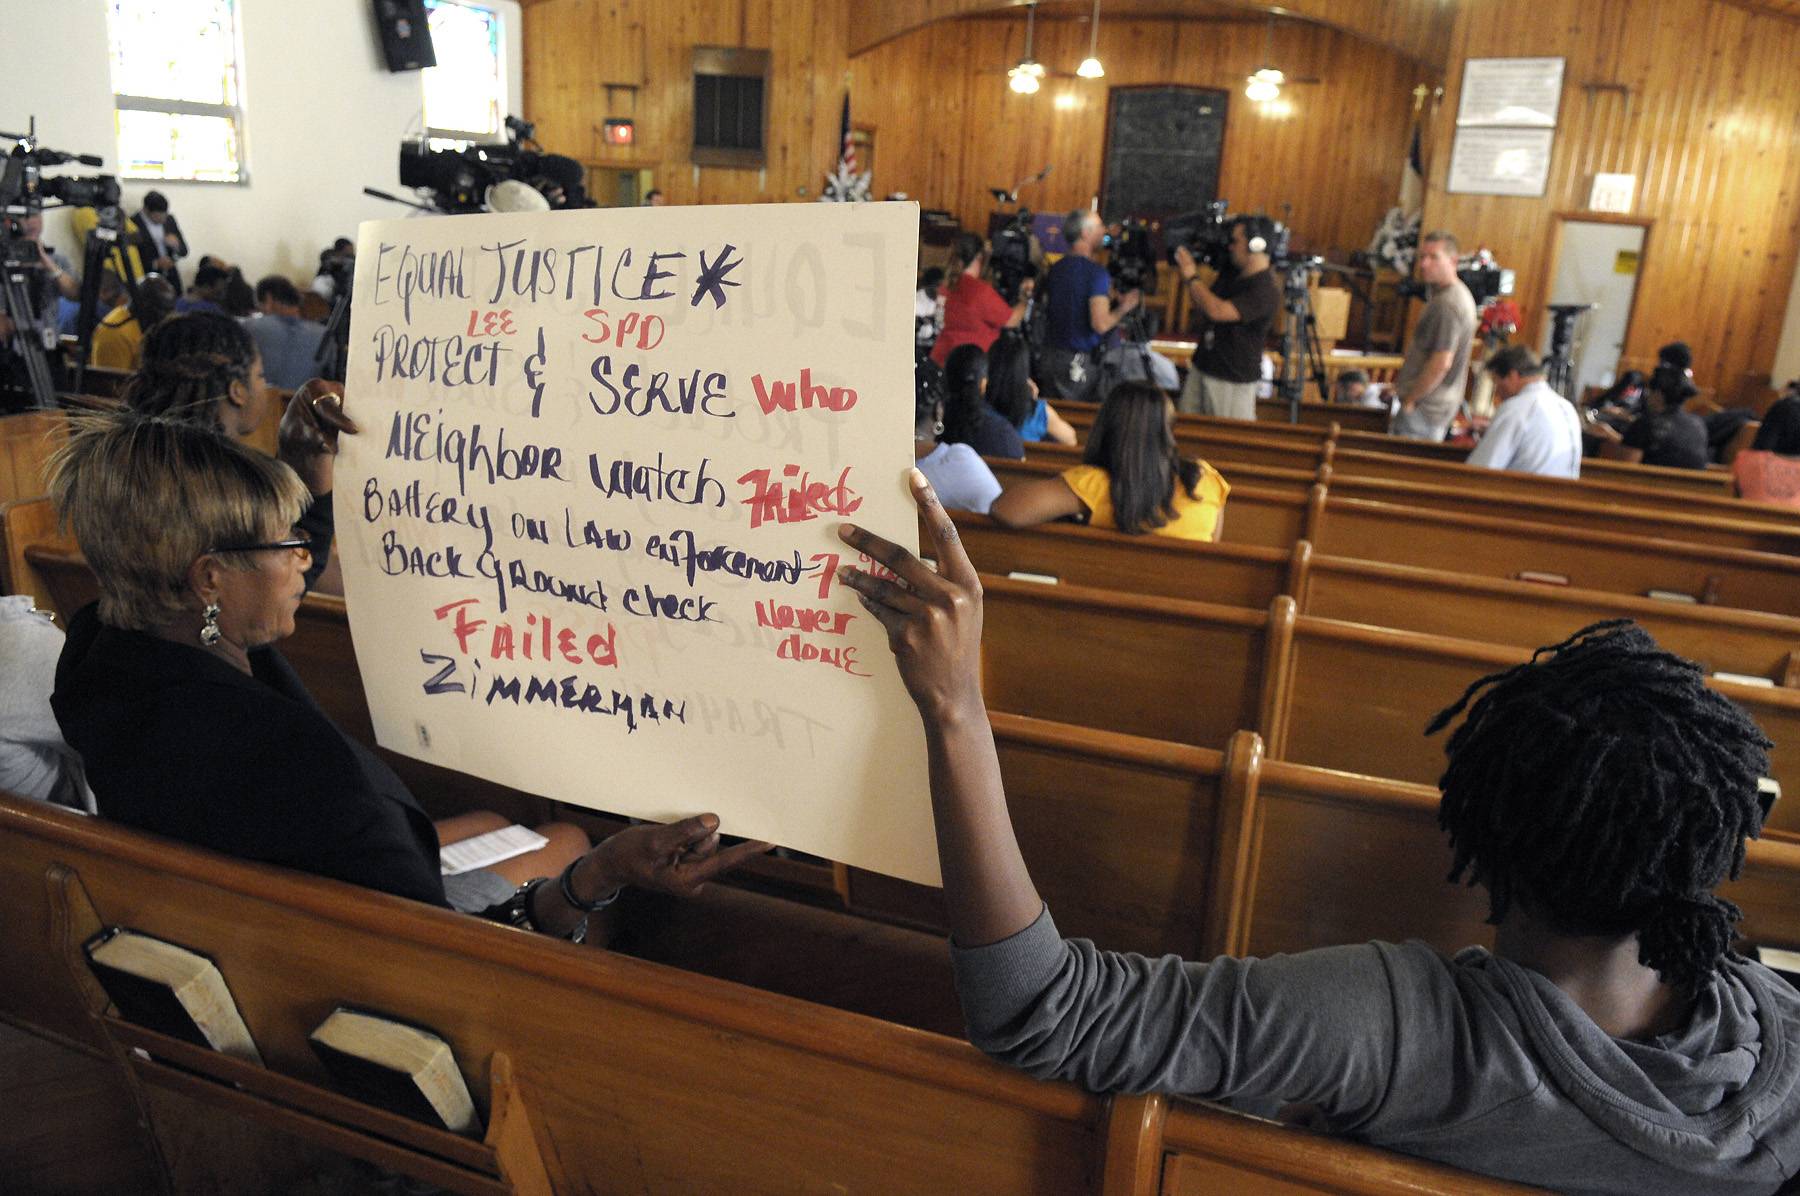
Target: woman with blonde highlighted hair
(192,725)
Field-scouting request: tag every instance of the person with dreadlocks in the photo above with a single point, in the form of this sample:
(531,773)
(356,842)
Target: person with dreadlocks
(1610,1043)
(203,367)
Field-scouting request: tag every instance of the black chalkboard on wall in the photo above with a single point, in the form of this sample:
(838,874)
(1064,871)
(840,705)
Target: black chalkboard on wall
(1162,151)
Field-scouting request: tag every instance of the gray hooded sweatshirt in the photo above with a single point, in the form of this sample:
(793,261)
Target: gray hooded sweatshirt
(1472,1061)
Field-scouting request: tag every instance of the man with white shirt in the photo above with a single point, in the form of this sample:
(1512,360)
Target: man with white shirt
(1535,430)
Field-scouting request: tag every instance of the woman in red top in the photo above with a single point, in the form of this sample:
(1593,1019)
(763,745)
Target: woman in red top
(974,312)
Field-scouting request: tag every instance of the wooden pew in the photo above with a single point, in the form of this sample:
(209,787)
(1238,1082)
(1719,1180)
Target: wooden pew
(1228,574)
(1284,478)
(26,441)
(1324,414)
(1434,601)
(1253,514)
(1468,495)
(1119,833)
(26,524)
(1072,785)
(638,1062)
(1592,487)
(1328,857)
(1357,698)
(616,1058)
(1187,672)
(1586,558)
(1529,615)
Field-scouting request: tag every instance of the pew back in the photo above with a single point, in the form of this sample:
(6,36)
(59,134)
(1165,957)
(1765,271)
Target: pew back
(1583,557)
(627,1063)
(1331,857)
(1357,698)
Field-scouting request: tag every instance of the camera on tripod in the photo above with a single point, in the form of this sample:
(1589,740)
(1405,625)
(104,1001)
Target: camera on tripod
(1010,256)
(23,187)
(513,175)
(1478,271)
(1132,260)
(1207,235)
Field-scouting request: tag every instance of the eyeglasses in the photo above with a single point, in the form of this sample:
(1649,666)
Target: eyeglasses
(297,540)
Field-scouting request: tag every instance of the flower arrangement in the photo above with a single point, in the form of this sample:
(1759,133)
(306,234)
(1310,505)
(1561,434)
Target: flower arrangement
(1499,320)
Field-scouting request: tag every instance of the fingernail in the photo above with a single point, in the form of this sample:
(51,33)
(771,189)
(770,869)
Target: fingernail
(918,478)
(846,530)
(844,572)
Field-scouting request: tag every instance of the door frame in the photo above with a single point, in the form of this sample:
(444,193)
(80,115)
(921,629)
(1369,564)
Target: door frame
(1546,285)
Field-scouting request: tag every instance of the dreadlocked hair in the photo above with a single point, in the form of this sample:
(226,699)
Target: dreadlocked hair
(1606,788)
(189,363)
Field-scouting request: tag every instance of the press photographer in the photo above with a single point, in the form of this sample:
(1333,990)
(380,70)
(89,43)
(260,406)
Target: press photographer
(1079,312)
(974,312)
(1237,311)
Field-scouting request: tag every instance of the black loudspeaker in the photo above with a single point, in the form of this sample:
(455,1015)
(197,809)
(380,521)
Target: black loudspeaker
(405,35)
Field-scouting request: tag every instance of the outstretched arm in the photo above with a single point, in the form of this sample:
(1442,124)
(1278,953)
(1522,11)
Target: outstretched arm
(933,621)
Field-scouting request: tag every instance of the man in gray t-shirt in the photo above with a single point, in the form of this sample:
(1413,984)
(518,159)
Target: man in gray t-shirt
(1430,383)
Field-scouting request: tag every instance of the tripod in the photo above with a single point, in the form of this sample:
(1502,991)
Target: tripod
(1300,355)
(102,240)
(32,336)
(1559,368)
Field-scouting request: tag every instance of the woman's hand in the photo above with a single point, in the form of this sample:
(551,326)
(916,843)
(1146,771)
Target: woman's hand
(308,439)
(677,859)
(933,619)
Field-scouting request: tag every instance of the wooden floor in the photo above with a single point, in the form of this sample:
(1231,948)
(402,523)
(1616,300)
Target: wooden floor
(71,1129)
(69,1125)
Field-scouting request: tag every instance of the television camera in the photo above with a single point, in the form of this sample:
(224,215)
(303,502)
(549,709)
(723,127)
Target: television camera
(25,192)
(1207,235)
(512,175)
(1132,260)
(1010,256)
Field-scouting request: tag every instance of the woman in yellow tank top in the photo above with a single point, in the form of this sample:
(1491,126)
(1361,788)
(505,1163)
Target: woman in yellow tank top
(1132,479)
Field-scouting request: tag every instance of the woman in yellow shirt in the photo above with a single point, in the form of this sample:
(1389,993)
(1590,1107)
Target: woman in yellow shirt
(1133,479)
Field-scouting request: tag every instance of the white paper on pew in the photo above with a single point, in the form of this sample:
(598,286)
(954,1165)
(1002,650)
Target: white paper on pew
(655,677)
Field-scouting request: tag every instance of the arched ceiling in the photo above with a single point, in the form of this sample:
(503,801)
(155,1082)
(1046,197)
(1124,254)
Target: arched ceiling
(1419,29)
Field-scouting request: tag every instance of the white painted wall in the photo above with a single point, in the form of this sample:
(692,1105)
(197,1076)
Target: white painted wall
(324,118)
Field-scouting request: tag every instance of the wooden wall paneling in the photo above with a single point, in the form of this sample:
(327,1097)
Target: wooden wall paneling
(948,127)
(573,48)
(1696,99)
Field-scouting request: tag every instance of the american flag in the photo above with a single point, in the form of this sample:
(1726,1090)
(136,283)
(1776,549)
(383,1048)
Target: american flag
(847,159)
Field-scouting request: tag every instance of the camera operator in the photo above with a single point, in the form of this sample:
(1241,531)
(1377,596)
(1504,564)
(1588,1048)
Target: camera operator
(974,312)
(55,280)
(1238,311)
(1431,380)
(1080,312)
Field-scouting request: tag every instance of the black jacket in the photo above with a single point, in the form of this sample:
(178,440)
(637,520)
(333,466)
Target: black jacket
(178,742)
(146,247)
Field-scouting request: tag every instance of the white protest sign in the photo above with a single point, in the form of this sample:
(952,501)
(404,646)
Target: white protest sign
(588,531)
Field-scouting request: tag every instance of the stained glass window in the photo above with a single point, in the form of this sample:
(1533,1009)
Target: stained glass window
(177,89)
(465,93)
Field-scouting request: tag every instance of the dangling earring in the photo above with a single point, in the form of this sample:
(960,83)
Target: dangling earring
(210,633)
(937,429)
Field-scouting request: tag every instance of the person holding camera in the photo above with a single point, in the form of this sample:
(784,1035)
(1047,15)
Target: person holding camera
(974,312)
(1432,378)
(1079,311)
(1224,375)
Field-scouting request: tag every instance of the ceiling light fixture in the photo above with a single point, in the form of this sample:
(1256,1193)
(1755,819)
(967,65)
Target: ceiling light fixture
(1090,67)
(1025,77)
(1264,83)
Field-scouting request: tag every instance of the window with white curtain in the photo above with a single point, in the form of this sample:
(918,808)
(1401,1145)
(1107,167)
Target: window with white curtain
(178,89)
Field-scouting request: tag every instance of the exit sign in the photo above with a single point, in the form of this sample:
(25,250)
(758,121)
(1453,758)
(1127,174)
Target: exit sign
(620,132)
